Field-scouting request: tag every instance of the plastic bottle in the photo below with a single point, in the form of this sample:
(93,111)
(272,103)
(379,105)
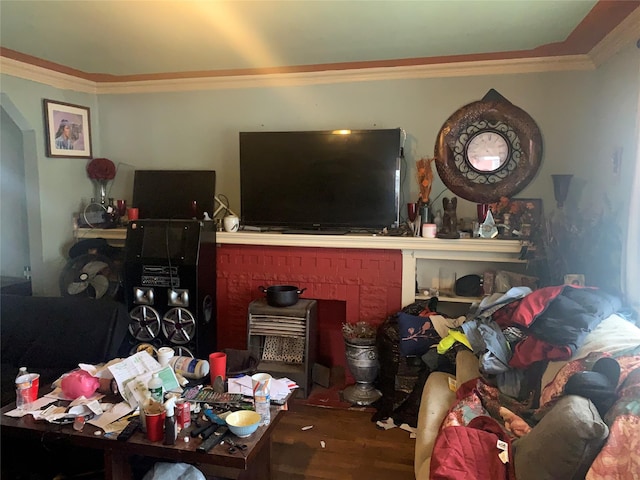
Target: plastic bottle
(146,399)
(21,371)
(262,403)
(21,382)
(78,423)
(155,388)
(170,430)
(191,368)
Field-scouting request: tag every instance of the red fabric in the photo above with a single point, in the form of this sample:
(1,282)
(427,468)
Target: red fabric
(531,306)
(471,452)
(503,316)
(532,350)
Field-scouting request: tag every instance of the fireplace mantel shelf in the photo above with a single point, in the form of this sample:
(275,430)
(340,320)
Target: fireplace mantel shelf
(467,249)
(412,248)
(432,247)
(422,247)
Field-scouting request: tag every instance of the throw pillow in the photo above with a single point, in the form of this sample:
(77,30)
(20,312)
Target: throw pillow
(417,334)
(563,444)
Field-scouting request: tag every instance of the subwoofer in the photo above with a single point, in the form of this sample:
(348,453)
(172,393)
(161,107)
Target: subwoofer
(169,278)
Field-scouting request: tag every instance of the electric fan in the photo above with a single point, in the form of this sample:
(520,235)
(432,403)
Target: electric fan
(90,275)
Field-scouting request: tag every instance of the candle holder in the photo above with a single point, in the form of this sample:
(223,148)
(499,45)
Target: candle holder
(561,188)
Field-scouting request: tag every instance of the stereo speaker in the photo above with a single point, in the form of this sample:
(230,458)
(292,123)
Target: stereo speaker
(169,278)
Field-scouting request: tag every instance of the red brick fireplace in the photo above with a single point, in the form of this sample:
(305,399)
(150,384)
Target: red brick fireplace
(350,285)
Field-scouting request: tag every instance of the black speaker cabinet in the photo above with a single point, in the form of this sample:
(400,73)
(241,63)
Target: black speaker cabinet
(169,278)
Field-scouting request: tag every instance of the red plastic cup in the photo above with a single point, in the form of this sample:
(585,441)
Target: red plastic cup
(217,365)
(155,426)
(35,385)
(27,390)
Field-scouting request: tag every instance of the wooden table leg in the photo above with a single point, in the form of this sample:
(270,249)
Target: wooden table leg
(260,466)
(116,466)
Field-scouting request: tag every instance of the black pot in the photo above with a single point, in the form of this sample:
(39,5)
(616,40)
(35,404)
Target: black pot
(281,295)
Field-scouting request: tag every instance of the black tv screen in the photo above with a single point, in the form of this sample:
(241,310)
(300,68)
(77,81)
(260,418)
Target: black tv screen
(174,194)
(320,179)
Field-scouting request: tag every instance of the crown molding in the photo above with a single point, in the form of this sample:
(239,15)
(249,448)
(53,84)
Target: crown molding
(52,78)
(460,69)
(627,32)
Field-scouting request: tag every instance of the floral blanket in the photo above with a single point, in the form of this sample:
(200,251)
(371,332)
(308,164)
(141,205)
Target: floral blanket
(619,458)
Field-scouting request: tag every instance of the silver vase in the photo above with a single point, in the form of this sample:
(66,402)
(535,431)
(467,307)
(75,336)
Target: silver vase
(362,360)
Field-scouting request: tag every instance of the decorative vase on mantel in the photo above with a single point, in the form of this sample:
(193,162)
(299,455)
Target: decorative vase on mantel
(100,189)
(101,171)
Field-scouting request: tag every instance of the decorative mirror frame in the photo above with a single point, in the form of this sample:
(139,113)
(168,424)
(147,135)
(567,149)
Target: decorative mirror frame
(495,114)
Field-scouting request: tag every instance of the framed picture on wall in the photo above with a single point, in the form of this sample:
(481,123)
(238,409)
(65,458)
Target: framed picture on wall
(574,279)
(523,215)
(67,129)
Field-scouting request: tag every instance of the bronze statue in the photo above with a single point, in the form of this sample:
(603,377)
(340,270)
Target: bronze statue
(449,219)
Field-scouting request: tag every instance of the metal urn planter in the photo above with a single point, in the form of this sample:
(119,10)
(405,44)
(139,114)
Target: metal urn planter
(362,359)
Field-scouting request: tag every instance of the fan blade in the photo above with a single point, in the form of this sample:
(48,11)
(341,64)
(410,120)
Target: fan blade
(101,285)
(94,267)
(75,288)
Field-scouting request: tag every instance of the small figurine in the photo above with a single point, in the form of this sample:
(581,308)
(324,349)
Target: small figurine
(449,219)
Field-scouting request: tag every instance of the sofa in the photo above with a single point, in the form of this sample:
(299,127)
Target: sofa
(52,335)
(468,428)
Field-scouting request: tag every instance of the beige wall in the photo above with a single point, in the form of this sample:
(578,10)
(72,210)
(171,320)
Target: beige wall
(583,117)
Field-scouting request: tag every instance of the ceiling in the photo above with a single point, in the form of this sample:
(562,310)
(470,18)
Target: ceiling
(122,39)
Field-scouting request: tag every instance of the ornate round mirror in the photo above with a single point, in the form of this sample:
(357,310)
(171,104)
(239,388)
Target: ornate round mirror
(488,149)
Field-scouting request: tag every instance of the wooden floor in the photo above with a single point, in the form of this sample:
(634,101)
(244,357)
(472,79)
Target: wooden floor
(354,447)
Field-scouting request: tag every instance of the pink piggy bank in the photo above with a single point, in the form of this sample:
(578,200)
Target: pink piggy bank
(79,383)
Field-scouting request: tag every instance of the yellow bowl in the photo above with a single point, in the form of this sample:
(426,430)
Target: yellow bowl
(243,422)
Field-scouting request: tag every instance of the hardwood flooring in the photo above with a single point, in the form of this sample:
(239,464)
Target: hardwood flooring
(355,448)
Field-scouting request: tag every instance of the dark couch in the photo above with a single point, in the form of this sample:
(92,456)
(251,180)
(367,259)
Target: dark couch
(52,335)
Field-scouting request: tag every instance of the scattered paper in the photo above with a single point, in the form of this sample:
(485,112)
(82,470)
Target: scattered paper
(51,413)
(387,424)
(35,406)
(132,374)
(308,427)
(117,426)
(101,370)
(117,411)
(407,428)
(322,444)
(279,388)
(240,385)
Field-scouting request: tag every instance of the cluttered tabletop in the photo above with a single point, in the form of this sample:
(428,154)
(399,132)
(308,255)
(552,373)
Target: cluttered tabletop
(140,402)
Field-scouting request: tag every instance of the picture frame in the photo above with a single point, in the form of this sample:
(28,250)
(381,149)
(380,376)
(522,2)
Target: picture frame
(67,129)
(574,279)
(525,215)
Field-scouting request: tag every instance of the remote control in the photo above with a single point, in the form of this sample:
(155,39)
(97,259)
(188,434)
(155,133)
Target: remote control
(198,430)
(213,440)
(209,431)
(129,430)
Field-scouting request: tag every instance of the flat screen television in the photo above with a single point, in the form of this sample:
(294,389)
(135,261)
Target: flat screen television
(174,194)
(320,180)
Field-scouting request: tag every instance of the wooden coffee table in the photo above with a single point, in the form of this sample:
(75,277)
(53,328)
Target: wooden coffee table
(253,463)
